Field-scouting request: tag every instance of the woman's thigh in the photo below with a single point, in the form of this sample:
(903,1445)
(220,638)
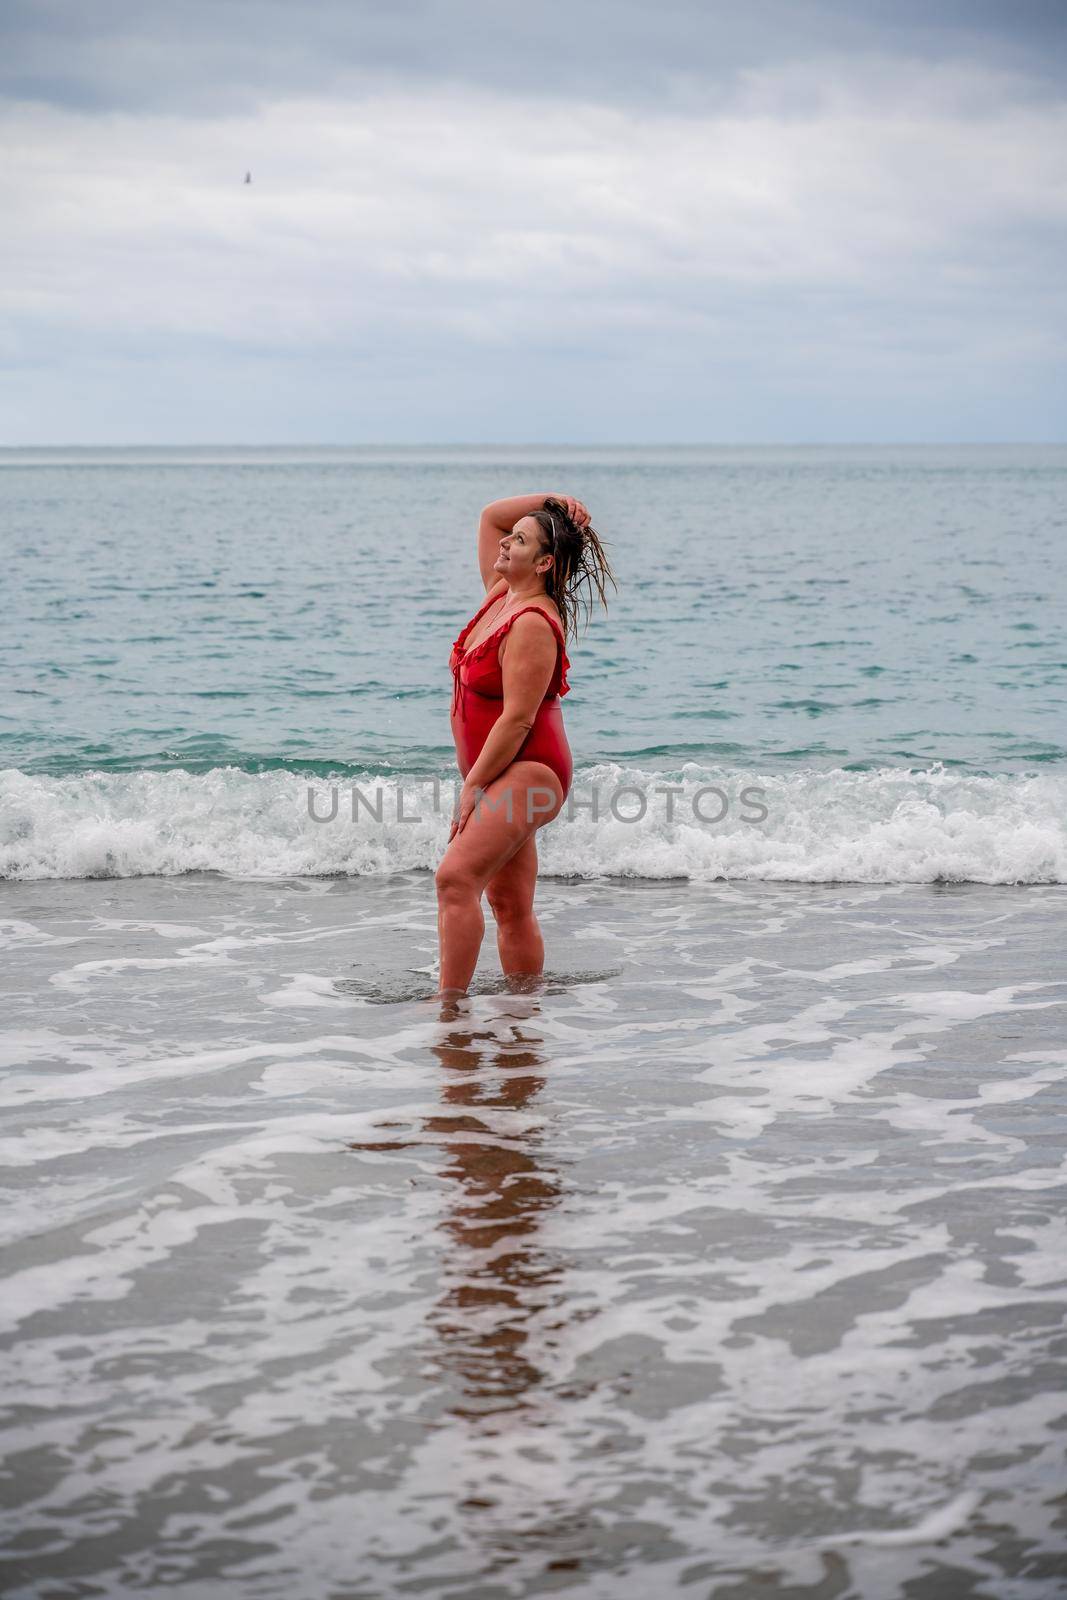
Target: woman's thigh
(522,799)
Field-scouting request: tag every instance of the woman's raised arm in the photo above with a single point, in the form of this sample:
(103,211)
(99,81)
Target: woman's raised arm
(501,516)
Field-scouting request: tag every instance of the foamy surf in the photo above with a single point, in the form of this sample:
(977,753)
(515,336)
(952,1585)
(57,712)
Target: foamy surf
(780,1207)
(935,1527)
(383,988)
(890,825)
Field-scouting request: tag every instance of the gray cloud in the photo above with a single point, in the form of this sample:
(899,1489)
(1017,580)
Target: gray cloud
(801,222)
(203,56)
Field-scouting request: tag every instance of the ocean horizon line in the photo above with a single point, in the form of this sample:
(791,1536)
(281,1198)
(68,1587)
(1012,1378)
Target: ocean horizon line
(535,444)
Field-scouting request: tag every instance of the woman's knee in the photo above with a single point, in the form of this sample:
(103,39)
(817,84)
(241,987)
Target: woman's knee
(453,883)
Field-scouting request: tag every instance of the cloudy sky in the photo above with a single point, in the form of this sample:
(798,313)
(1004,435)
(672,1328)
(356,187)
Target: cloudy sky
(555,221)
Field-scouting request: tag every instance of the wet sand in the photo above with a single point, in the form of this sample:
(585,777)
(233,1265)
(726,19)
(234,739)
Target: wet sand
(730,1264)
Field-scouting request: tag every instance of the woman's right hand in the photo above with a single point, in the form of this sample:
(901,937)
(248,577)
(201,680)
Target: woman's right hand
(466,801)
(575,510)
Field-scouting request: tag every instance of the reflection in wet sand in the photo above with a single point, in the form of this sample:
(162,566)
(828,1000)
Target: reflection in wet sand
(498,1275)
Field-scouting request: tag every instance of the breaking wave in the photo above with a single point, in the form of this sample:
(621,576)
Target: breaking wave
(699,823)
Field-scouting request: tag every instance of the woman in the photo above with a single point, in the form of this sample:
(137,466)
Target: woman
(539,560)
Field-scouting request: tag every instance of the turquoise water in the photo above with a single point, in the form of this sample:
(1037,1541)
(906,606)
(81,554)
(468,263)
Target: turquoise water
(854,606)
(787,613)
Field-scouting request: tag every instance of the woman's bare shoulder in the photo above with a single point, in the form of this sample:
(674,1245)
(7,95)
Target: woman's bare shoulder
(550,609)
(527,622)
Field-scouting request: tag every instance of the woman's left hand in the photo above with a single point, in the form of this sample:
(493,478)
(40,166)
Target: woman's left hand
(578,513)
(468,799)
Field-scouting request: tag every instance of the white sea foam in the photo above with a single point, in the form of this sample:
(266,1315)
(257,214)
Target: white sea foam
(892,825)
(935,1526)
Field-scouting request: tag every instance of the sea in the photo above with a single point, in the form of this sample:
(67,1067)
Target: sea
(726,1262)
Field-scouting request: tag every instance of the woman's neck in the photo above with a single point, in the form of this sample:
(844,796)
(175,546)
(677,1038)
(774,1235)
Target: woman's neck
(527,594)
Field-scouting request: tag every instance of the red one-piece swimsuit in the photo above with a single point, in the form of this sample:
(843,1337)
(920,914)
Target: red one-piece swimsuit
(478,698)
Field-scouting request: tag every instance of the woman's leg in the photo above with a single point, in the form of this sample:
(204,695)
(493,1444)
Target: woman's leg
(525,796)
(510,893)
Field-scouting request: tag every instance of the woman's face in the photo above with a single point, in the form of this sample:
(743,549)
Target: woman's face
(521,551)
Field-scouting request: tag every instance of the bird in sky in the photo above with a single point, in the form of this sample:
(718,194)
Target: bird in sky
(248,177)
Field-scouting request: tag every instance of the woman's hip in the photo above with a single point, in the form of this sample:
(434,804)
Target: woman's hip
(547,742)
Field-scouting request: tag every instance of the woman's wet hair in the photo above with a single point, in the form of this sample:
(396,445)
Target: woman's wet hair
(580,569)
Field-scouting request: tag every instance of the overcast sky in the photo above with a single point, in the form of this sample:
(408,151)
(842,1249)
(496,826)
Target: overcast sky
(556,221)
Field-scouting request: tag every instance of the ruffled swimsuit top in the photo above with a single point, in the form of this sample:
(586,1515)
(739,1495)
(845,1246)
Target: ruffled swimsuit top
(478,696)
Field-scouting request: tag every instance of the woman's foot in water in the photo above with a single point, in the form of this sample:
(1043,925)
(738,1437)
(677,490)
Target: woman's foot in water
(524,982)
(450,1002)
